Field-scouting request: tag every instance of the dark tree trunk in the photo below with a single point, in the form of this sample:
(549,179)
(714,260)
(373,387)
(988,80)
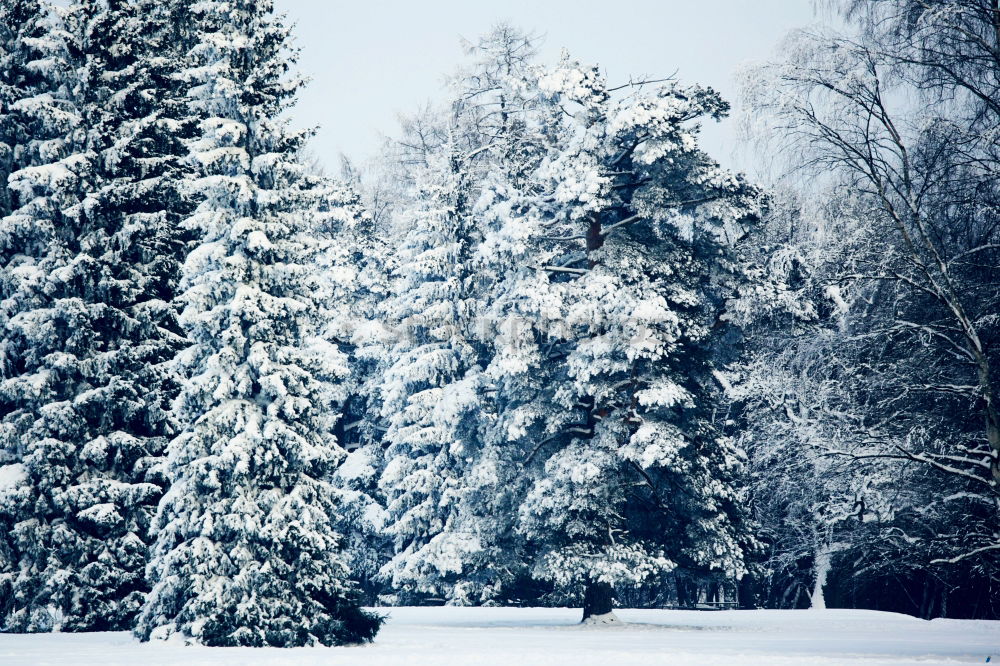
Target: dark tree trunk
(746,593)
(595,239)
(687,593)
(597,599)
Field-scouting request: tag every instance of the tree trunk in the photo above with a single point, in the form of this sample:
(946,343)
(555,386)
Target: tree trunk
(597,599)
(746,592)
(595,237)
(687,593)
(821,569)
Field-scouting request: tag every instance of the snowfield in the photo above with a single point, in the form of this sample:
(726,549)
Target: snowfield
(444,636)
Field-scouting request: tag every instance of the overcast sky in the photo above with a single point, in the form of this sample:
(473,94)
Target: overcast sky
(370,60)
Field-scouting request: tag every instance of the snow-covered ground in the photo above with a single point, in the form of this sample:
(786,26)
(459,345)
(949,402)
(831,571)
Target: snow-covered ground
(525,636)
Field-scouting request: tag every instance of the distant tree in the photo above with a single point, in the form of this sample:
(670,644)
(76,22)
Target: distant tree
(356,265)
(811,501)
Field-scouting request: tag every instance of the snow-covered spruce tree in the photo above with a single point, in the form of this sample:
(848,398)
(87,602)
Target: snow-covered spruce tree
(137,123)
(431,391)
(488,132)
(509,124)
(36,112)
(355,263)
(626,251)
(246,550)
(38,117)
(135,120)
(89,321)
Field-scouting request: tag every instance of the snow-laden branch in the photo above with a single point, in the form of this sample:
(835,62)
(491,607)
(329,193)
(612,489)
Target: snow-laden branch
(561,269)
(965,556)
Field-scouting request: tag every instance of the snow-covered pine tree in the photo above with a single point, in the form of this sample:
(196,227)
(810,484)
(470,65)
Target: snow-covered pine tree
(88,331)
(135,119)
(355,264)
(624,268)
(37,118)
(431,394)
(247,553)
(508,126)
(486,133)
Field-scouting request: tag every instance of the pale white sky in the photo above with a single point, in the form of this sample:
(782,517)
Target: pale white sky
(371,59)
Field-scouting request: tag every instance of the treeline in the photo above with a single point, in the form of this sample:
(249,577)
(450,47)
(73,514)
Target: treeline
(543,351)
(873,422)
